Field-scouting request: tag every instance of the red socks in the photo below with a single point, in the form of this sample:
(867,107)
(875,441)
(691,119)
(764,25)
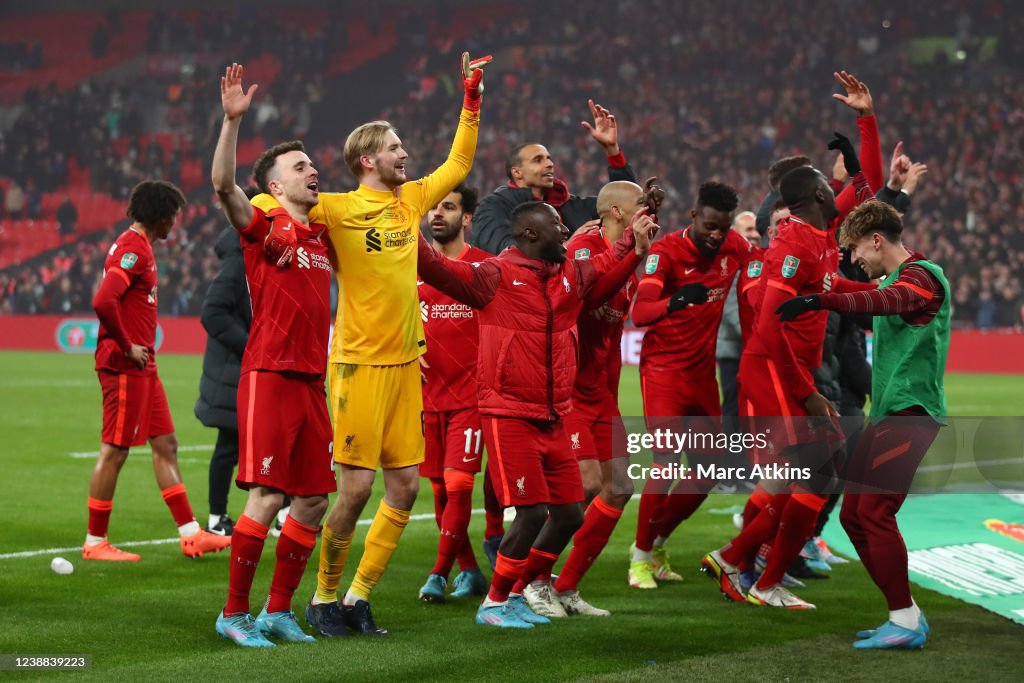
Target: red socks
(177,501)
(458,487)
(758,499)
(741,550)
(797,523)
(538,564)
(246,548)
(506,571)
(655,490)
(99,516)
(293,549)
(588,543)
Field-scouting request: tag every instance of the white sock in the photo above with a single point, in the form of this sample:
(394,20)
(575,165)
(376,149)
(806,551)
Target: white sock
(491,603)
(190,529)
(642,555)
(659,542)
(350,599)
(214,521)
(908,617)
(94,540)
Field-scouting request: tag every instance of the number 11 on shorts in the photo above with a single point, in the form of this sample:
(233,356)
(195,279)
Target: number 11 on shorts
(470,433)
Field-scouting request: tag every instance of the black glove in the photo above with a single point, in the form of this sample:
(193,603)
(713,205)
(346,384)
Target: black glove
(850,160)
(797,306)
(693,293)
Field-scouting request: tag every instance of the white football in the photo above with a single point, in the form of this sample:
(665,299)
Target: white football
(61,566)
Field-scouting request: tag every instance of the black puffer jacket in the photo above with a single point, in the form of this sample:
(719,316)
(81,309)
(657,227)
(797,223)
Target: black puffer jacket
(491,232)
(826,378)
(227,316)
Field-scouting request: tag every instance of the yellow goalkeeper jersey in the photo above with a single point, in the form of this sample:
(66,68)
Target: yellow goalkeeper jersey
(372,235)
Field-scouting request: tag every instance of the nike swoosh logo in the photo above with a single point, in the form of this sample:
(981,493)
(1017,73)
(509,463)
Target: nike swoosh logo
(689,270)
(419,282)
(371,216)
(518,283)
(465,459)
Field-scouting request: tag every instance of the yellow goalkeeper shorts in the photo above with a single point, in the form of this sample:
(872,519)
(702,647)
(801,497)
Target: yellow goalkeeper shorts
(378,414)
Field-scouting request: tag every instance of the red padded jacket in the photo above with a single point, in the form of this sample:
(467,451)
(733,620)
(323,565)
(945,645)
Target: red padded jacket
(528,353)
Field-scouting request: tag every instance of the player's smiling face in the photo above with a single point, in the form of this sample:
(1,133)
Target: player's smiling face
(447,220)
(536,168)
(389,162)
(867,253)
(710,228)
(295,179)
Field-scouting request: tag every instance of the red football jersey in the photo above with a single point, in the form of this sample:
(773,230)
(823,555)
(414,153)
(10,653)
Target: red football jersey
(685,341)
(291,307)
(131,258)
(800,260)
(747,288)
(600,335)
(453,337)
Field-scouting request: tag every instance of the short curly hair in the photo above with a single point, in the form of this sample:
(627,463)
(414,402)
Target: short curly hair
(152,201)
(718,196)
(870,217)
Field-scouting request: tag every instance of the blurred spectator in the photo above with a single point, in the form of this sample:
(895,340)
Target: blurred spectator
(14,203)
(697,108)
(67,217)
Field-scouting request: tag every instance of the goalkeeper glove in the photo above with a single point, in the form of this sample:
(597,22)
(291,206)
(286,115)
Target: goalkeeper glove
(850,160)
(693,293)
(797,306)
(279,244)
(472,80)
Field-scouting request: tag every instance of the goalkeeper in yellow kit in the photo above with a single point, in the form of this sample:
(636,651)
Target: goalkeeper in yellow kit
(375,385)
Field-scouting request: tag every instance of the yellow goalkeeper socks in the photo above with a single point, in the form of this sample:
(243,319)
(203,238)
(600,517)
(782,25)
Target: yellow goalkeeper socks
(333,553)
(381,541)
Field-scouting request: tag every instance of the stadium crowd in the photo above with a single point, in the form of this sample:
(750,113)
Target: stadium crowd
(716,100)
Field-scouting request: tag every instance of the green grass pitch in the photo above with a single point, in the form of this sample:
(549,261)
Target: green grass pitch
(154,620)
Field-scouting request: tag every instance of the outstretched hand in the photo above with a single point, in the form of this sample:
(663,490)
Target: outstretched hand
(604,129)
(473,80)
(235,100)
(857,96)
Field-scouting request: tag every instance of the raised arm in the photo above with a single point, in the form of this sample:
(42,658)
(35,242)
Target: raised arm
(472,284)
(236,102)
(605,132)
(431,189)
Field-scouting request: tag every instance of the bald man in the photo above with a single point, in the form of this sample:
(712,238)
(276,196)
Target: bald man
(595,397)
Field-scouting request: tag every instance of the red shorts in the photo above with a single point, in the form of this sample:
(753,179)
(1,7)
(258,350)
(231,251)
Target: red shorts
(531,462)
(767,408)
(454,441)
(134,409)
(669,396)
(284,435)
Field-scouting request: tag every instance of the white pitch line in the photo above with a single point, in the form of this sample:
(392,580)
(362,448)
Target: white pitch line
(138,451)
(164,541)
(969,465)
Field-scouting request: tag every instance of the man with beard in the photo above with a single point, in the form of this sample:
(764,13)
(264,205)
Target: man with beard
(531,176)
(374,374)
(680,300)
(451,422)
(529,300)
